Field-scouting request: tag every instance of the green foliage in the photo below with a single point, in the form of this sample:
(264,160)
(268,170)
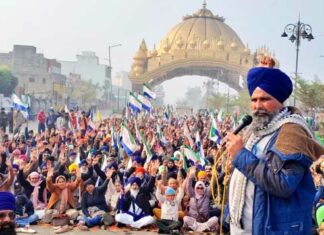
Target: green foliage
(84,92)
(8,82)
(310,94)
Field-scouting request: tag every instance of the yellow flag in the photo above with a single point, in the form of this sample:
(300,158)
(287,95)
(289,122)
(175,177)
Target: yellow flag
(98,116)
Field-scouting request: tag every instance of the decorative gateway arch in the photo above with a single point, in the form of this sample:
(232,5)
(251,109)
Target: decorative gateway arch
(202,44)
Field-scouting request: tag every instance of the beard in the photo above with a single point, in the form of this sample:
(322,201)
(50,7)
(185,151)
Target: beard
(261,118)
(8,228)
(134,192)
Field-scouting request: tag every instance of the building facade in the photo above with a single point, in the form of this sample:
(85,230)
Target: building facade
(88,67)
(38,77)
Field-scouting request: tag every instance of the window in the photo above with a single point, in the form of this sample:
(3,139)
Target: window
(31,79)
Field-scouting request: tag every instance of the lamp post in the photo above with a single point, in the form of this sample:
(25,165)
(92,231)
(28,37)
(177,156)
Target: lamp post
(296,32)
(110,68)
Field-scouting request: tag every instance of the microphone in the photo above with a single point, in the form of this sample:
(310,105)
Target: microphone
(246,120)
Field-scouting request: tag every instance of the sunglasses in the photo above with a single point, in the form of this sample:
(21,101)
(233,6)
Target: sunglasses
(200,188)
(11,215)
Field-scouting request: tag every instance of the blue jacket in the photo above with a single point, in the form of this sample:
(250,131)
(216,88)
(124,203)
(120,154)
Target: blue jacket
(24,205)
(97,198)
(284,190)
(319,195)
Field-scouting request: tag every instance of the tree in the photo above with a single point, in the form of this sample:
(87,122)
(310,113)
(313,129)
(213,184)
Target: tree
(209,87)
(8,82)
(310,94)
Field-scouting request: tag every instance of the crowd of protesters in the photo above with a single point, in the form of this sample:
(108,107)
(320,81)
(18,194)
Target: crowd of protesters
(76,175)
(162,171)
(69,173)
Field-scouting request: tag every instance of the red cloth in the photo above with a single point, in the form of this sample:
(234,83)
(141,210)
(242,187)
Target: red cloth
(41,117)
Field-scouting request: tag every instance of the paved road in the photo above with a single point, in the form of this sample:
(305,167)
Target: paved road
(47,230)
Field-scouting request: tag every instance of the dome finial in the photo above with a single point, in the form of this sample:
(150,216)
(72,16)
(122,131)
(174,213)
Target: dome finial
(204,4)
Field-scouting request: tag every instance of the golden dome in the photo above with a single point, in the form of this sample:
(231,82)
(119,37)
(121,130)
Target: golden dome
(206,44)
(193,44)
(166,45)
(233,45)
(140,55)
(180,42)
(220,44)
(206,27)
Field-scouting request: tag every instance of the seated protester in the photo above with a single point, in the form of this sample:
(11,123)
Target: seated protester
(172,169)
(134,207)
(198,216)
(6,181)
(93,204)
(61,201)
(25,214)
(185,204)
(179,164)
(115,195)
(86,169)
(72,176)
(174,184)
(170,209)
(73,157)
(208,170)
(114,185)
(202,176)
(34,188)
(15,170)
(103,174)
(147,180)
(113,192)
(62,165)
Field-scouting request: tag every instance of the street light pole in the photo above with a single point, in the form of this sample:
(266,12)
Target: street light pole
(110,69)
(296,32)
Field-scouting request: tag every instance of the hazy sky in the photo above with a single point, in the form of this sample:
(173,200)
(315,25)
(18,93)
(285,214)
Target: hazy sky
(62,28)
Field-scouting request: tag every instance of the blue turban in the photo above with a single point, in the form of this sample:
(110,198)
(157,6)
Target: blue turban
(271,80)
(83,162)
(154,157)
(15,166)
(137,159)
(170,191)
(136,180)
(88,182)
(73,154)
(7,201)
(110,165)
(104,148)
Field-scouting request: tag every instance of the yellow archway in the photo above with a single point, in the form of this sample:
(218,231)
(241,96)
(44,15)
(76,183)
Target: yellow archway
(202,44)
